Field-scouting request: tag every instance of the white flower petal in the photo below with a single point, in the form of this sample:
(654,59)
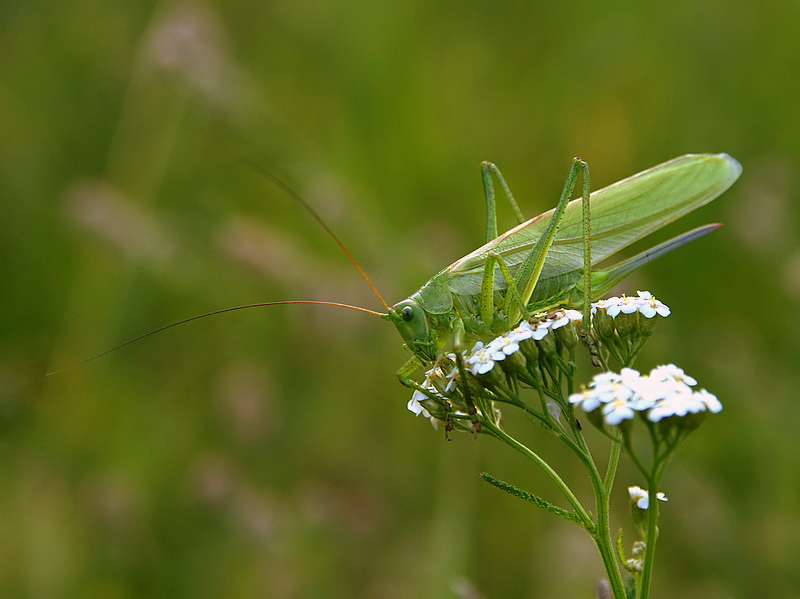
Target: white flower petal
(616,411)
(416,407)
(505,344)
(710,401)
(482,360)
(668,372)
(540,331)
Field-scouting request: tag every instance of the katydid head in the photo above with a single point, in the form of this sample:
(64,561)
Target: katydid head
(413,325)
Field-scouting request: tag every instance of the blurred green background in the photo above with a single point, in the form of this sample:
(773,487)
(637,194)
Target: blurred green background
(269,453)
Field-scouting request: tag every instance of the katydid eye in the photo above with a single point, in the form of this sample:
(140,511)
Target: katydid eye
(407,314)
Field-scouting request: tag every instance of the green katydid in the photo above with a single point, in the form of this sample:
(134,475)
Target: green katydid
(548,261)
(543,263)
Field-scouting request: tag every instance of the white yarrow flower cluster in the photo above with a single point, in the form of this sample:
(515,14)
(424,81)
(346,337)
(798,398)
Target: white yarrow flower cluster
(666,391)
(483,357)
(645,304)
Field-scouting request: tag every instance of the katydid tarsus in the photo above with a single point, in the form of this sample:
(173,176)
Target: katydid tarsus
(543,263)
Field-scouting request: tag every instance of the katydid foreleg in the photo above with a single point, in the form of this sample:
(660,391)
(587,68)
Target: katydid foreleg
(487,292)
(428,391)
(463,381)
(512,297)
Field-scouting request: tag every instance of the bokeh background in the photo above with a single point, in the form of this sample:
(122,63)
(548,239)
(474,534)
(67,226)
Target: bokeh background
(268,453)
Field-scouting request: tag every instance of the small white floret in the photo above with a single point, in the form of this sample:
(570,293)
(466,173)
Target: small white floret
(416,407)
(482,359)
(641,498)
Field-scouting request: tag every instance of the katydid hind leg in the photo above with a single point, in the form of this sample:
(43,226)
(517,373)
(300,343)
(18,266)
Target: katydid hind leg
(530,269)
(489,172)
(586,219)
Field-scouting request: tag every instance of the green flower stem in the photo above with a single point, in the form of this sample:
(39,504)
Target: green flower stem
(634,457)
(601,535)
(586,520)
(613,461)
(600,532)
(616,355)
(650,547)
(653,483)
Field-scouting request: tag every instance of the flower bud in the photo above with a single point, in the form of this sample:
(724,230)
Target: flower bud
(625,325)
(634,565)
(603,326)
(548,346)
(567,336)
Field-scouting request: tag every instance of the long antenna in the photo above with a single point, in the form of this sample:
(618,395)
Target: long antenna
(296,197)
(223,311)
